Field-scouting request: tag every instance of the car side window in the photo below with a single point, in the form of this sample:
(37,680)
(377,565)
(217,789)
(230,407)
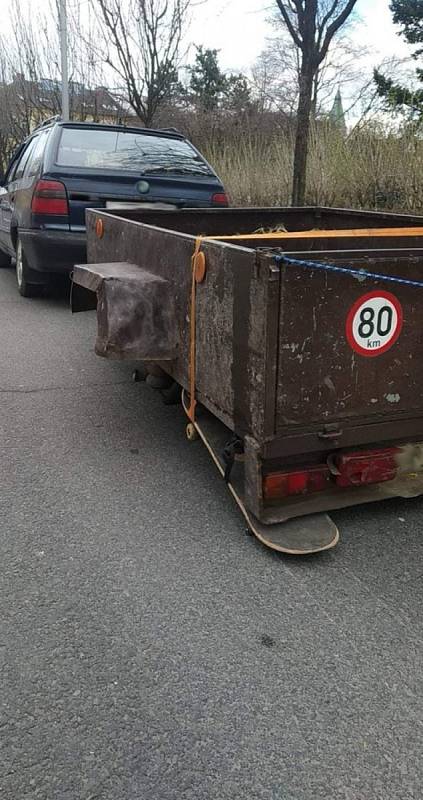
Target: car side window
(16,160)
(35,158)
(24,160)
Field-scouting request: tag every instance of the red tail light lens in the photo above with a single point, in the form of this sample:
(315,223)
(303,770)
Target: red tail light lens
(286,484)
(357,468)
(50,198)
(366,466)
(220,199)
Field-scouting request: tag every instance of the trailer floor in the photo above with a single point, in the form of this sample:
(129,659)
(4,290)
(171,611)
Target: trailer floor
(150,649)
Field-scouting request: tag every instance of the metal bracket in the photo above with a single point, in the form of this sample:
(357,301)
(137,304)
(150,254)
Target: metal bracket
(330,432)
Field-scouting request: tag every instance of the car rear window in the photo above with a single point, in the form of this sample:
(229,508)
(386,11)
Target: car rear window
(128,151)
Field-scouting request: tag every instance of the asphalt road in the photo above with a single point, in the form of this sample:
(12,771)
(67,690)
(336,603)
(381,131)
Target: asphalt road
(149,648)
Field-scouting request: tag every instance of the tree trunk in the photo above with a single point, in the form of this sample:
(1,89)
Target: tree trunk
(302,132)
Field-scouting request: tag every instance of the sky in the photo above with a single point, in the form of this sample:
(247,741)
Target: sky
(238,28)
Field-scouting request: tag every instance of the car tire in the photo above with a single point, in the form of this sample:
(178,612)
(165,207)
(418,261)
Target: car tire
(26,288)
(5,260)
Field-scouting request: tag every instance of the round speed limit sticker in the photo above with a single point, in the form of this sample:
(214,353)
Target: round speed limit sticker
(374,323)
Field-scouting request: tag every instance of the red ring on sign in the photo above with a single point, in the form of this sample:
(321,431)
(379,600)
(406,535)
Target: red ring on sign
(350,320)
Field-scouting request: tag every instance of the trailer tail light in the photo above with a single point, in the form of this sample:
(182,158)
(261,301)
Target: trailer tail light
(366,466)
(50,198)
(358,468)
(287,484)
(220,199)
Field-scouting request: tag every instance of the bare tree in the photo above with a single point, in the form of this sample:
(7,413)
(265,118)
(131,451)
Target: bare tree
(276,73)
(141,42)
(30,88)
(274,77)
(344,65)
(312,26)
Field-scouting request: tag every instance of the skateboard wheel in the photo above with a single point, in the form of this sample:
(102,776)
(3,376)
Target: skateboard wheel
(138,376)
(191,433)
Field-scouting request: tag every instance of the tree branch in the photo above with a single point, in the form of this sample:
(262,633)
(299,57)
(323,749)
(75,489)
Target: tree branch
(335,26)
(286,18)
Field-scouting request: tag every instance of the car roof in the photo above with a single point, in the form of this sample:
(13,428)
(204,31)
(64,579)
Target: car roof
(171,133)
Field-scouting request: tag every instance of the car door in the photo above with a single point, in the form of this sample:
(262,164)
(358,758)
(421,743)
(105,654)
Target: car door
(5,204)
(8,193)
(3,193)
(26,177)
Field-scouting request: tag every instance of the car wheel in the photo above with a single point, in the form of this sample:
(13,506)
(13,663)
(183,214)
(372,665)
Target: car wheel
(5,260)
(23,273)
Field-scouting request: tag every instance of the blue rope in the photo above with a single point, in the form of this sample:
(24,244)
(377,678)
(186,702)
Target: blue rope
(360,273)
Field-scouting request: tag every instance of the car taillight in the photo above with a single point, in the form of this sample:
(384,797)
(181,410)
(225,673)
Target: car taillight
(50,198)
(305,481)
(220,199)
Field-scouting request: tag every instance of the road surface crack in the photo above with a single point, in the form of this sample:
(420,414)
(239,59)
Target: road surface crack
(61,388)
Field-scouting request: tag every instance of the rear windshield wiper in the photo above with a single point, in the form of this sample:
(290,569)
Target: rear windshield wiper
(177,171)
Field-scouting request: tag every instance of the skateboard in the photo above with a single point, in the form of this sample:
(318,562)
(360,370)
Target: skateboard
(299,536)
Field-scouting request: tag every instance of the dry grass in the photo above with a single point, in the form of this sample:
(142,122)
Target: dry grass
(368,169)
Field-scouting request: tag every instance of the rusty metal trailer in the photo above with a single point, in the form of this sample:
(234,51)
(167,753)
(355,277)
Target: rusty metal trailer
(298,335)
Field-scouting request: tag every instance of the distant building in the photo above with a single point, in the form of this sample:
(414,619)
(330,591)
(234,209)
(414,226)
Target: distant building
(40,99)
(337,114)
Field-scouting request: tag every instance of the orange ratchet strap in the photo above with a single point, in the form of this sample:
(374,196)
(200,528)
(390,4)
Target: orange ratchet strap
(195,260)
(362,233)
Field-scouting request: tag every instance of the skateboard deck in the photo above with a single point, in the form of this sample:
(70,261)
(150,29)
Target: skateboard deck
(299,536)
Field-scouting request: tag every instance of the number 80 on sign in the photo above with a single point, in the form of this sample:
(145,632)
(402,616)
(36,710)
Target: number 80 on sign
(374,323)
